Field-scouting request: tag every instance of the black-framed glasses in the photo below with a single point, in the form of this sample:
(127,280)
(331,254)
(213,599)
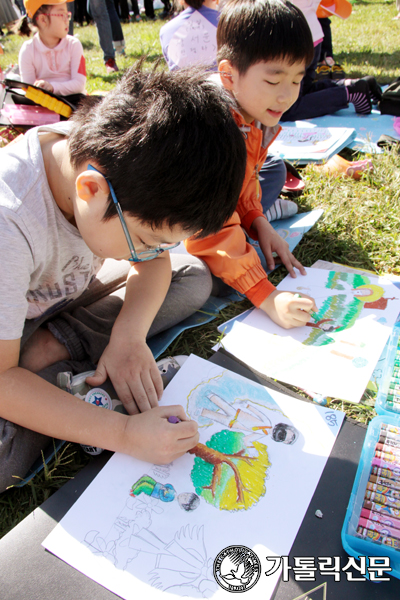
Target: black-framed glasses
(136,256)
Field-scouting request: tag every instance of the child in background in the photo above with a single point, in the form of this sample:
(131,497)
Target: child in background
(52,60)
(108,184)
(263,51)
(183,44)
(327,96)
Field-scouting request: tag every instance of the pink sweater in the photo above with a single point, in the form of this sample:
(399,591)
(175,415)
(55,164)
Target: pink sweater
(63,66)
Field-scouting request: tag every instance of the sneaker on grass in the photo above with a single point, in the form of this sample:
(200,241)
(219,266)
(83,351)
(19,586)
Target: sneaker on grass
(111,65)
(281,209)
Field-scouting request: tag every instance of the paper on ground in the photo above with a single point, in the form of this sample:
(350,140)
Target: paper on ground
(335,354)
(143,546)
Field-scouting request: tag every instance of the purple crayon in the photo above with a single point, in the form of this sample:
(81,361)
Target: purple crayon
(381,464)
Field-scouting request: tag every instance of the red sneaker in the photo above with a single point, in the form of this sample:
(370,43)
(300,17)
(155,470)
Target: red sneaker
(111,66)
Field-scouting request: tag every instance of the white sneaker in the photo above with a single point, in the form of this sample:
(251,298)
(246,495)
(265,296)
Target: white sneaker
(281,209)
(169,367)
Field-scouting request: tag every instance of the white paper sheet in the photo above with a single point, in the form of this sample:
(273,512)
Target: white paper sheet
(142,546)
(335,354)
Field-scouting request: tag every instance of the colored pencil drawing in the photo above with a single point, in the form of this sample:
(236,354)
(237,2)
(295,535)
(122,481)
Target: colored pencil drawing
(347,295)
(229,471)
(179,565)
(144,529)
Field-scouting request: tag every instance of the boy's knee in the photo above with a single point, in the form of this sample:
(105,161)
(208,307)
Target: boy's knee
(42,350)
(198,281)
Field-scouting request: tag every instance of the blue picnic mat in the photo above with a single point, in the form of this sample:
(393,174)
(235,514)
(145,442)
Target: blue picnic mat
(369,128)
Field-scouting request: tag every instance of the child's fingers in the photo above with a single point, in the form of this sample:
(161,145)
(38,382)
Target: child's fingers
(268,257)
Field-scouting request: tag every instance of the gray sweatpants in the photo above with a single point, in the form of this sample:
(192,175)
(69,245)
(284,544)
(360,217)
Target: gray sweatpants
(85,327)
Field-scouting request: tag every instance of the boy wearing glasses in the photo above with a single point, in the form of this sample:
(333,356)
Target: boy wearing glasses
(52,59)
(111,183)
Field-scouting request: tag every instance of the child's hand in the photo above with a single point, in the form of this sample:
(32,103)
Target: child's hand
(131,367)
(270,241)
(287,309)
(44,85)
(150,437)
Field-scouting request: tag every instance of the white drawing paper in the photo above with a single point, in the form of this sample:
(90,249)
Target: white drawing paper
(335,354)
(194,42)
(142,530)
(310,144)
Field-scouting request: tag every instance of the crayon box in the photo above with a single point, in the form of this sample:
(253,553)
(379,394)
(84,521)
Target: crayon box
(388,398)
(372,523)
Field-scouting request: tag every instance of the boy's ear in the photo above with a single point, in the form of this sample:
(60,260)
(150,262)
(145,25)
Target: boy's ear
(225,69)
(90,185)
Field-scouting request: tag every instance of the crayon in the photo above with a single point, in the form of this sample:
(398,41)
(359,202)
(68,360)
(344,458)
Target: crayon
(387,449)
(382,499)
(380,518)
(387,473)
(382,509)
(379,528)
(389,442)
(382,464)
(394,406)
(390,435)
(383,489)
(390,458)
(374,536)
(390,483)
(390,428)
(173,419)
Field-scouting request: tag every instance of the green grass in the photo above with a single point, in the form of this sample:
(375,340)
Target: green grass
(360,226)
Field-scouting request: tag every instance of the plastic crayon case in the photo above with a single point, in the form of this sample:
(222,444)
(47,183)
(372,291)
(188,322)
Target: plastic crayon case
(372,528)
(388,398)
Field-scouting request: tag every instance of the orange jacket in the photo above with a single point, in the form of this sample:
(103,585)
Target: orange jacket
(227,253)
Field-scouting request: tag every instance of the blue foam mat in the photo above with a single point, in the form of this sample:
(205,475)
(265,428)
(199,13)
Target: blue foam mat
(291,229)
(369,128)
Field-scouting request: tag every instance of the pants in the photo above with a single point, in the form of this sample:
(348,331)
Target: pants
(99,12)
(116,28)
(85,329)
(316,99)
(272,179)
(326,44)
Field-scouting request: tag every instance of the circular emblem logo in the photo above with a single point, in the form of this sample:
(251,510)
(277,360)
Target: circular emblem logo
(99,397)
(237,569)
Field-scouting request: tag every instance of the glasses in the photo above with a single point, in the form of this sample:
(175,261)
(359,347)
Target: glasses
(66,16)
(140,256)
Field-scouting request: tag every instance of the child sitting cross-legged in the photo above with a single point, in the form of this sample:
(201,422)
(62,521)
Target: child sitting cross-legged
(264,48)
(52,60)
(88,210)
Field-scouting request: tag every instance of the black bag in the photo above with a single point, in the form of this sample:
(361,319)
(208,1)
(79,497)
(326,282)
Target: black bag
(390,103)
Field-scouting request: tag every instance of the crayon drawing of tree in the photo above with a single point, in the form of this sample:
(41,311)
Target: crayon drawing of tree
(225,476)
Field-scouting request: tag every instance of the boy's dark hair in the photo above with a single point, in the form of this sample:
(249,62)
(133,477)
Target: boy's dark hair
(169,145)
(251,31)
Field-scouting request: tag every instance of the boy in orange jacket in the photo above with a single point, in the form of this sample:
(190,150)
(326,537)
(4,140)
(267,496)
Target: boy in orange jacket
(263,51)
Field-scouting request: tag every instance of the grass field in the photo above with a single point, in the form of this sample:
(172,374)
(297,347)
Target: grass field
(360,226)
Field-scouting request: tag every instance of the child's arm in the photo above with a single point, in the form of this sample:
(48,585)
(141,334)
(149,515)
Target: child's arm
(76,83)
(127,359)
(270,241)
(26,63)
(32,402)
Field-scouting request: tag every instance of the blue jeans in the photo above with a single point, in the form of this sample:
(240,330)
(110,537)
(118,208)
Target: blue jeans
(99,12)
(272,179)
